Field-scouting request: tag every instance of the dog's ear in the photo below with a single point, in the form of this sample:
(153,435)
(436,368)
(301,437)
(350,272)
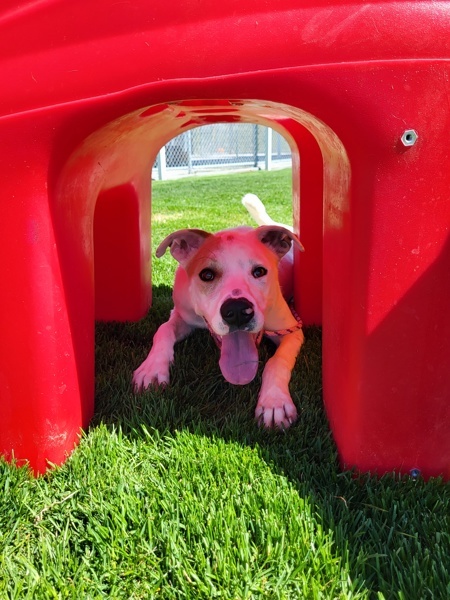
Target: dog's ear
(278,239)
(182,243)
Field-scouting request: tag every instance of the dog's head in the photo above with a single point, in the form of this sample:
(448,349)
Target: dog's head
(233,283)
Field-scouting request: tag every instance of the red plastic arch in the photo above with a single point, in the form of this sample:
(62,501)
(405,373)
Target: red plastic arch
(92,90)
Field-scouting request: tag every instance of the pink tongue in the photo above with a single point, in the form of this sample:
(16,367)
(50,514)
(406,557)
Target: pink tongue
(239,357)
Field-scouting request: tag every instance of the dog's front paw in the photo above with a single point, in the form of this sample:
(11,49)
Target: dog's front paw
(276,411)
(152,372)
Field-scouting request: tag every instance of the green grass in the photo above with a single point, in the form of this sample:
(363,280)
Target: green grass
(177,494)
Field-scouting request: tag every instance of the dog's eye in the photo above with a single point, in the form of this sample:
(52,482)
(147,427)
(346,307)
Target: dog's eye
(207,275)
(259,272)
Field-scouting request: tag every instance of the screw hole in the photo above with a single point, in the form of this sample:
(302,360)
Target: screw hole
(409,137)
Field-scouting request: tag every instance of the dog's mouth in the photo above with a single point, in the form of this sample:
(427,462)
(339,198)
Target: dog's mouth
(239,356)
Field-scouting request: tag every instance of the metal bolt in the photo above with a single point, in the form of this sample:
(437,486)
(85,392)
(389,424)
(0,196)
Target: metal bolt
(415,473)
(409,137)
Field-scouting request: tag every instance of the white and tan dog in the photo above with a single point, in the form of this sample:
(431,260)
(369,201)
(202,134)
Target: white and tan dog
(234,282)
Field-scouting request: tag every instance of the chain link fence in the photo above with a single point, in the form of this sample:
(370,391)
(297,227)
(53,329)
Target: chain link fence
(222,147)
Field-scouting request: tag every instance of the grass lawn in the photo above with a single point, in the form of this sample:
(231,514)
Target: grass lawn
(177,494)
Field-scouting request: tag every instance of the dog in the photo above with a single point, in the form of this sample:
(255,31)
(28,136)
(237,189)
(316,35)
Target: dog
(237,284)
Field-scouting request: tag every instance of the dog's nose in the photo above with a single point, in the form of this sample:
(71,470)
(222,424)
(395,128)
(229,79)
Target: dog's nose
(237,312)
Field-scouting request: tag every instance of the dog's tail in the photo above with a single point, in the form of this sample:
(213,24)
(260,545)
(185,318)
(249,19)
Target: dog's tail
(258,211)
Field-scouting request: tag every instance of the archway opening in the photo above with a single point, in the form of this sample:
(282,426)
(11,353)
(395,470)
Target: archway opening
(119,157)
(201,176)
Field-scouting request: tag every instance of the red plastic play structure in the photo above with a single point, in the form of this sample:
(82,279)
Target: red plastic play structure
(90,92)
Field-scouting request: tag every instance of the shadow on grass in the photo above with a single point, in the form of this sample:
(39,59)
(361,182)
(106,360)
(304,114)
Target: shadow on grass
(378,524)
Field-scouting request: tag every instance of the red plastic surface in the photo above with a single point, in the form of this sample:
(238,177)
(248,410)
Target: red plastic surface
(92,90)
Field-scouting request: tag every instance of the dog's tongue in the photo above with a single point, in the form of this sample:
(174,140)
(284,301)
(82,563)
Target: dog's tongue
(239,357)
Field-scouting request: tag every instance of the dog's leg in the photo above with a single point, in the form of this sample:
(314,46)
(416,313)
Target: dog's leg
(155,368)
(275,407)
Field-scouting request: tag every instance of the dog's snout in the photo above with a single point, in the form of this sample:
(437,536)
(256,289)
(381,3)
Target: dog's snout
(237,312)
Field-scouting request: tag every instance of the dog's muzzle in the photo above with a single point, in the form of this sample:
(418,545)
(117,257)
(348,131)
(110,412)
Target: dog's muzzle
(237,313)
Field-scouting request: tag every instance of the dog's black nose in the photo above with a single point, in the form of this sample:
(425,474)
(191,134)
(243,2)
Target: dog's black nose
(237,312)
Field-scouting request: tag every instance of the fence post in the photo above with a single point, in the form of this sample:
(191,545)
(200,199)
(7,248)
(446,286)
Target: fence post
(162,170)
(269,140)
(255,145)
(189,152)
